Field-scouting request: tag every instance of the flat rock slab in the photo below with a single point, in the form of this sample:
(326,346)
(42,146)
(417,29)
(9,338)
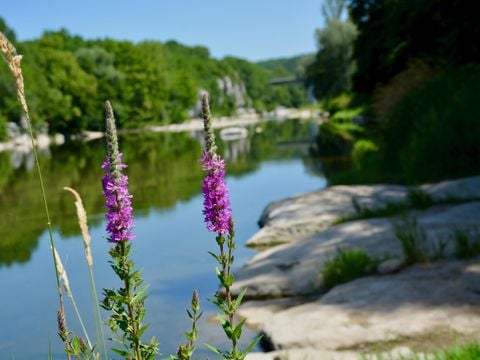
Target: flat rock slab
(300,216)
(304,354)
(316,354)
(408,309)
(294,269)
(460,189)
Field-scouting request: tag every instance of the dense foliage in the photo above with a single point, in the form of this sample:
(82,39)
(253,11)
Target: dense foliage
(415,83)
(393,32)
(67,79)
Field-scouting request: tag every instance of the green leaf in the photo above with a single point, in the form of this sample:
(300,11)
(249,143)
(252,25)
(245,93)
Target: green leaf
(139,295)
(253,344)
(229,280)
(215,256)
(237,332)
(142,329)
(213,348)
(239,299)
(123,353)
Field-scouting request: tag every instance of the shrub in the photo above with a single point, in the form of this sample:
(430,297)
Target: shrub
(347,265)
(347,115)
(364,151)
(337,103)
(433,132)
(332,140)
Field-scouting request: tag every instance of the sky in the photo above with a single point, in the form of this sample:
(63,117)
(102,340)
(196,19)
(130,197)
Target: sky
(250,29)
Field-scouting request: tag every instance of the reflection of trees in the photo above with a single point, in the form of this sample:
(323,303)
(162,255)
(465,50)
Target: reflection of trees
(163,169)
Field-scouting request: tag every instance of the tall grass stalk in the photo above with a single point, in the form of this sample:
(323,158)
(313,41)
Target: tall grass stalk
(68,290)
(14,64)
(82,221)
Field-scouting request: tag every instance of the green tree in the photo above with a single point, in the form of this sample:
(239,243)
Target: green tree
(331,72)
(393,32)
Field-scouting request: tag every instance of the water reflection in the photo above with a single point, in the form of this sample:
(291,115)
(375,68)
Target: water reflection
(163,170)
(165,179)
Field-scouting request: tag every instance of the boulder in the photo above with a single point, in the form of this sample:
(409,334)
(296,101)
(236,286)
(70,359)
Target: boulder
(295,268)
(390,266)
(421,308)
(297,217)
(300,216)
(455,190)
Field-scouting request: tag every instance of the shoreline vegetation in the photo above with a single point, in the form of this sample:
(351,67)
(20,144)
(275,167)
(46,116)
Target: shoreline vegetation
(23,143)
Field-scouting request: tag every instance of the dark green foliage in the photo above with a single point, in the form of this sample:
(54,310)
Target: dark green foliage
(440,139)
(347,265)
(467,243)
(331,71)
(392,32)
(413,239)
(332,139)
(419,199)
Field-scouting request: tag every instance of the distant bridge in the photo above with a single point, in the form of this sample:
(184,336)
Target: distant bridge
(285,80)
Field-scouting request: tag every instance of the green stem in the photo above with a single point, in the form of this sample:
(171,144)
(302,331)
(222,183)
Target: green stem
(226,265)
(74,303)
(97,315)
(131,310)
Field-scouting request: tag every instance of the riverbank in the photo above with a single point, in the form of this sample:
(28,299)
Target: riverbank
(23,143)
(406,304)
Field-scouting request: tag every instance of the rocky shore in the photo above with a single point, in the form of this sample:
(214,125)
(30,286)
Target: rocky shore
(402,307)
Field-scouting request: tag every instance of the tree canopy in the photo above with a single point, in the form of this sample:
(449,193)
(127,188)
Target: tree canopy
(68,78)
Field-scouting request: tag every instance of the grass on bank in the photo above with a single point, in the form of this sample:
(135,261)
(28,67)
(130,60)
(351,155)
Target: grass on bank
(470,351)
(346,266)
(430,134)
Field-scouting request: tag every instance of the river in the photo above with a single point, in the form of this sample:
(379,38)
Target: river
(171,240)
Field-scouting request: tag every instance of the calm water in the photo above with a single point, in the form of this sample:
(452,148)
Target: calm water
(171,245)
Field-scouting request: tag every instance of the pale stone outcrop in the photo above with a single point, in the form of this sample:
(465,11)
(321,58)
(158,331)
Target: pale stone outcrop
(295,268)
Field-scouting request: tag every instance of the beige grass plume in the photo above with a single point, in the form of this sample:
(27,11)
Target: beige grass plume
(82,222)
(14,64)
(62,274)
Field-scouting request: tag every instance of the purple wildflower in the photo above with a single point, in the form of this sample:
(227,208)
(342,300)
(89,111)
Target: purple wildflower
(215,202)
(118,202)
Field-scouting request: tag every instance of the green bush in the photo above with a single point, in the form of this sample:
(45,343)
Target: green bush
(333,140)
(363,151)
(337,103)
(347,115)
(347,265)
(433,133)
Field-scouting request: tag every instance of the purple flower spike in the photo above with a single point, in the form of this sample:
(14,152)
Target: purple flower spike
(216,205)
(118,202)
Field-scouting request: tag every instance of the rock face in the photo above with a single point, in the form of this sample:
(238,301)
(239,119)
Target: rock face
(421,301)
(300,216)
(398,311)
(294,269)
(297,217)
(461,189)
